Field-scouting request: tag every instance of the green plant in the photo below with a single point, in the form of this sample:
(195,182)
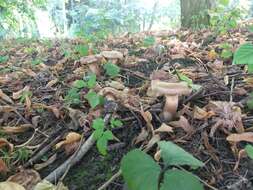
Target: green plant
(94,99)
(226,51)
(72,97)
(82,50)
(101,135)
(244,56)
(111,69)
(189,81)
(148,41)
(3,59)
(36,61)
(115,123)
(222,18)
(249,150)
(141,172)
(25,94)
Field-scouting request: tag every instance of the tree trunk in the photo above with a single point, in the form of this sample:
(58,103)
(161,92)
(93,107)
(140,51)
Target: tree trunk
(194,13)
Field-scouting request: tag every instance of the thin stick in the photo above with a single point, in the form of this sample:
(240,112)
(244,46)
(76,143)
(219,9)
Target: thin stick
(107,183)
(232,88)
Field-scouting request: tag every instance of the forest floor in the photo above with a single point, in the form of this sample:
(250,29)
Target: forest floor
(38,110)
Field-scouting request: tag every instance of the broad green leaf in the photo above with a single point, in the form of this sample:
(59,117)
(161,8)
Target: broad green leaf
(175,155)
(83,50)
(180,180)
(244,55)
(226,54)
(108,135)
(3,59)
(98,133)
(93,99)
(79,84)
(140,171)
(111,69)
(102,145)
(92,81)
(98,123)
(249,150)
(73,96)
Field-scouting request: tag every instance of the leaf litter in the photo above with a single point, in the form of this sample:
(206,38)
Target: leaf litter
(175,89)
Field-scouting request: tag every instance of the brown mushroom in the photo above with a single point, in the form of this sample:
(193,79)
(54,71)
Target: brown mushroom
(93,62)
(171,91)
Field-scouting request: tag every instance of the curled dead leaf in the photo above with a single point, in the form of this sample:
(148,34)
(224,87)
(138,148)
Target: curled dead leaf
(52,83)
(6,98)
(184,124)
(71,137)
(202,114)
(248,137)
(7,185)
(18,94)
(17,129)
(4,142)
(164,128)
(27,178)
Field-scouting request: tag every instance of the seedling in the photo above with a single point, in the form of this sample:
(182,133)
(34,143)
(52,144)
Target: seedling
(82,50)
(25,95)
(189,81)
(141,172)
(72,97)
(114,123)
(148,41)
(226,51)
(111,69)
(249,150)
(94,99)
(101,135)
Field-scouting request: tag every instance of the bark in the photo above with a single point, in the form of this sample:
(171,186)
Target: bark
(194,12)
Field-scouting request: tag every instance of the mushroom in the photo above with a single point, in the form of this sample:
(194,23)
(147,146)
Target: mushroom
(93,62)
(171,91)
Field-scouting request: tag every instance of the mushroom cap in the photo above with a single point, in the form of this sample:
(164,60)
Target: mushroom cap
(160,88)
(90,59)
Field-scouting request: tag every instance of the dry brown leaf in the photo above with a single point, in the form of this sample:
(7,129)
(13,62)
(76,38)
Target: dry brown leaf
(29,72)
(164,128)
(6,98)
(3,167)
(112,55)
(152,142)
(27,178)
(18,94)
(4,142)
(212,55)
(7,109)
(242,153)
(147,116)
(78,118)
(52,83)
(184,124)
(71,137)
(17,129)
(248,137)
(201,114)
(157,155)
(7,185)
(142,136)
(46,163)
(115,84)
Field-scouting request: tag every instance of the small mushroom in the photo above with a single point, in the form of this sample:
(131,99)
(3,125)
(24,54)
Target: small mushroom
(171,91)
(93,62)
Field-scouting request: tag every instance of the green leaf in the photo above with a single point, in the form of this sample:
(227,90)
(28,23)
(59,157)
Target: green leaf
(184,78)
(224,2)
(175,155)
(108,135)
(98,133)
(79,84)
(73,96)
(249,150)
(98,123)
(250,103)
(93,99)
(116,123)
(140,171)
(251,28)
(180,180)
(244,54)
(226,54)
(3,59)
(111,69)
(102,145)
(83,50)
(149,41)
(92,80)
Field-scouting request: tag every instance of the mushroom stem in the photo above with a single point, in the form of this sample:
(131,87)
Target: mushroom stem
(170,107)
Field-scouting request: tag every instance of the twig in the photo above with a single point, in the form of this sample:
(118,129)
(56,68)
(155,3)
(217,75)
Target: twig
(58,172)
(232,88)
(107,183)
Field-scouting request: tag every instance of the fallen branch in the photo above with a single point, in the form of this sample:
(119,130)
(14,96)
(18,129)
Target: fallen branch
(58,172)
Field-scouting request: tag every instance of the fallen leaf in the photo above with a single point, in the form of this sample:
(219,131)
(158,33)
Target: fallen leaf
(71,137)
(242,153)
(157,155)
(18,94)
(4,142)
(3,167)
(6,98)
(212,55)
(184,124)
(201,114)
(112,55)
(45,185)
(52,83)
(7,185)
(152,142)
(142,136)
(147,116)
(164,128)
(46,163)
(27,178)
(248,137)
(7,109)
(14,130)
